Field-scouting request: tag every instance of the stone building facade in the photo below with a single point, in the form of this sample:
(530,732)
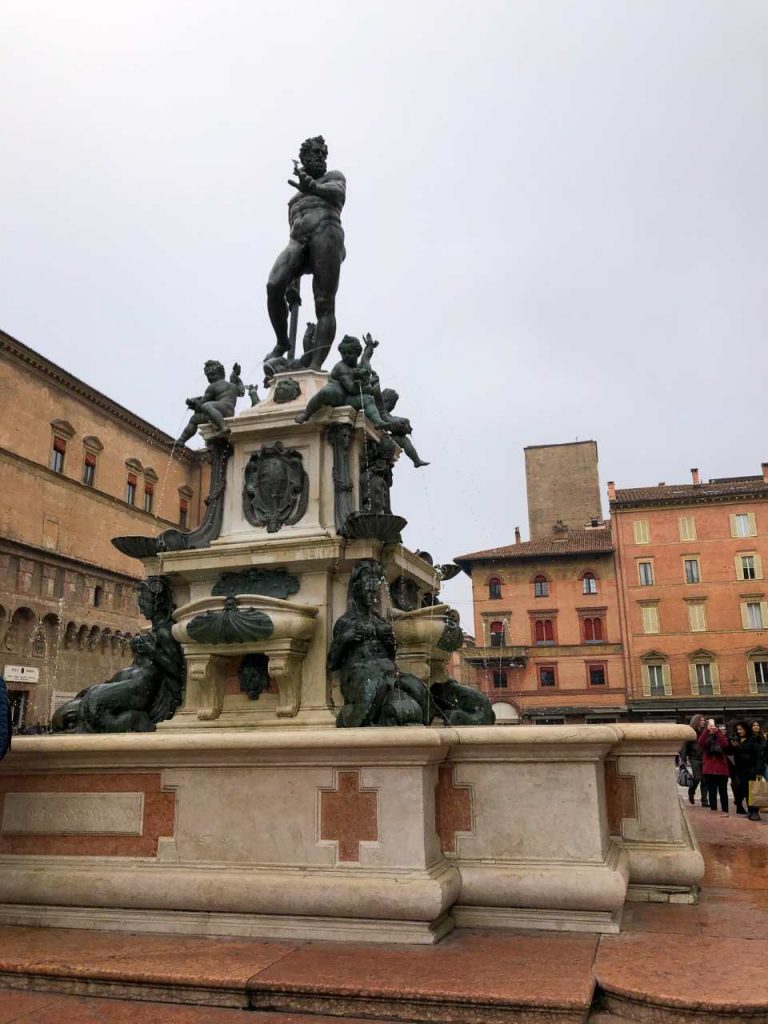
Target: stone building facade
(694,600)
(76,469)
(562,486)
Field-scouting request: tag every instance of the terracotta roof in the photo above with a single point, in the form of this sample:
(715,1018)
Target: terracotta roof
(574,542)
(685,494)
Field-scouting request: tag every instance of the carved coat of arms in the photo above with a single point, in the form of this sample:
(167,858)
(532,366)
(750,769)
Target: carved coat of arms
(276,487)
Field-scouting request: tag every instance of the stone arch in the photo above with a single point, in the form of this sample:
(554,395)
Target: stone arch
(506,712)
(70,635)
(50,626)
(94,635)
(82,637)
(106,640)
(18,636)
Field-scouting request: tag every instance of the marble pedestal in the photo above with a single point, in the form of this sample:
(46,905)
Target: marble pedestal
(312,551)
(381,834)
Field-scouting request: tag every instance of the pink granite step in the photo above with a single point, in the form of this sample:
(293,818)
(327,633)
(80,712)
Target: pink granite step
(708,978)
(53,1008)
(481,977)
(472,977)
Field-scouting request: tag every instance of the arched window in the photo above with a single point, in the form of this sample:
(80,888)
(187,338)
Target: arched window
(543,631)
(497,634)
(540,586)
(494,589)
(589,583)
(593,630)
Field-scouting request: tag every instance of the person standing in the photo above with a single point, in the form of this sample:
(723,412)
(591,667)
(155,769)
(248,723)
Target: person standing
(742,757)
(691,754)
(6,720)
(714,762)
(754,759)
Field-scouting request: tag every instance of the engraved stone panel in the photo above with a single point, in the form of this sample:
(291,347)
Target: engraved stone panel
(66,814)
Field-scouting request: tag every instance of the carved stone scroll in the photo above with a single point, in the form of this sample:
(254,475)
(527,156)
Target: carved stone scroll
(340,437)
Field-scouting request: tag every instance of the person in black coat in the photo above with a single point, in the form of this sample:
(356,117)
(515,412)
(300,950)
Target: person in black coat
(6,720)
(741,764)
(754,758)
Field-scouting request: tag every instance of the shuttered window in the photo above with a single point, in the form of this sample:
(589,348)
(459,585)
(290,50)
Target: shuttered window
(687,527)
(642,534)
(743,524)
(697,616)
(650,615)
(748,566)
(754,614)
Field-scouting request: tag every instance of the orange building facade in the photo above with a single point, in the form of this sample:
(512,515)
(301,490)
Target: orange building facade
(548,645)
(694,599)
(76,469)
(548,639)
(658,614)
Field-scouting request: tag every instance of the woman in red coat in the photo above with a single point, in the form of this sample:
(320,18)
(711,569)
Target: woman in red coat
(714,767)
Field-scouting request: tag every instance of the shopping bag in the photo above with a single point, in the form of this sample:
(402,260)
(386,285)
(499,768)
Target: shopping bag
(758,793)
(684,775)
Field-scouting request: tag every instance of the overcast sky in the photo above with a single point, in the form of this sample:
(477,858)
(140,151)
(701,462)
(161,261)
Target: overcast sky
(556,219)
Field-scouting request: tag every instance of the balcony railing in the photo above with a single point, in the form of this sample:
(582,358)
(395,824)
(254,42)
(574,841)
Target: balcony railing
(496,657)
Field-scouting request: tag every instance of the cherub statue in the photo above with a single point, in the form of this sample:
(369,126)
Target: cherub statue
(219,400)
(351,383)
(399,428)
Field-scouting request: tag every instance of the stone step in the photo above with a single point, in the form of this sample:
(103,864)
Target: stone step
(472,977)
(663,978)
(54,1008)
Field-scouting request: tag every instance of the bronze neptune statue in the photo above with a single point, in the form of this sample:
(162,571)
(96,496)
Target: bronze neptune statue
(316,247)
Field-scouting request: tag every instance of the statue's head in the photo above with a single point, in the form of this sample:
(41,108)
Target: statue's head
(213,370)
(350,349)
(365,583)
(313,154)
(155,597)
(390,398)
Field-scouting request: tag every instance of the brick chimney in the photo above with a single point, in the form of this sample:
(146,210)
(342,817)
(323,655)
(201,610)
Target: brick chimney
(695,478)
(764,467)
(517,535)
(611,490)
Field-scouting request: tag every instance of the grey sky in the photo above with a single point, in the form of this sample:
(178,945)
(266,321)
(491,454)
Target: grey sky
(556,219)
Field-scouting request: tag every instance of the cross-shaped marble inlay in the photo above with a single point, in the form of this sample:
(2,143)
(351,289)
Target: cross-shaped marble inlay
(453,808)
(620,796)
(349,815)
